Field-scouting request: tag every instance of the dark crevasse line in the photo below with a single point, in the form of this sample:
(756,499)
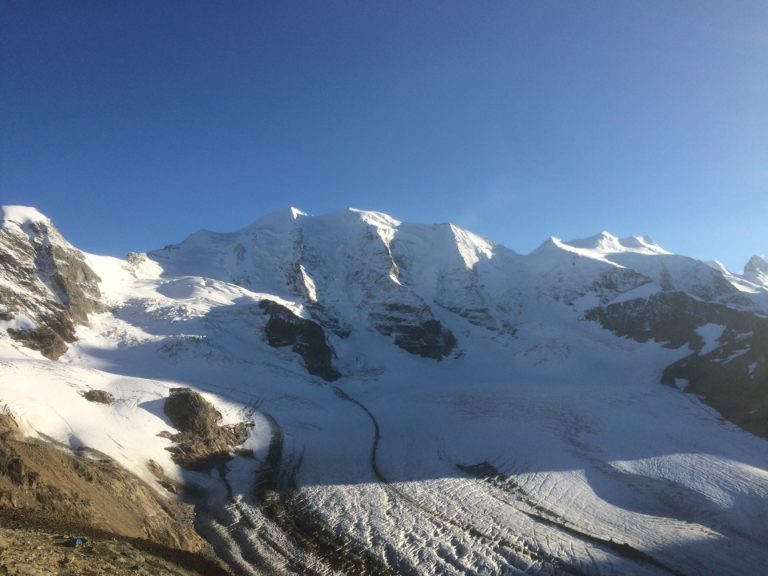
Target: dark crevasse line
(293,514)
(488,473)
(475,533)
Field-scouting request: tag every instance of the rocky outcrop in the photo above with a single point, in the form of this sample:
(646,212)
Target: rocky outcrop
(736,385)
(567,283)
(306,338)
(730,374)
(415,330)
(99,396)
(429,339)
(201,443)
(46,287)
(667,317)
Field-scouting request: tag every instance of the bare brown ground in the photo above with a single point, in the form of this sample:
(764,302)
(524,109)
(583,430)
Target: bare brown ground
(48,495)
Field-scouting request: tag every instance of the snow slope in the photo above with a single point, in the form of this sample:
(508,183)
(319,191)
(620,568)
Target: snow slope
(541,443)
(753,282)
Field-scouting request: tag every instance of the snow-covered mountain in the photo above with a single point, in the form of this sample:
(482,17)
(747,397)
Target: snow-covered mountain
(380,397)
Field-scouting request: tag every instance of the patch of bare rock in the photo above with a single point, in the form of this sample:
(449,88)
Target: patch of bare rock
(48,495)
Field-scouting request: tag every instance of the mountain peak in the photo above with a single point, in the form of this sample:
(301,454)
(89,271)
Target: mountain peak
(295,212)
(551,243)
(22,215)
(285,217)
(756,265)
(374,218)
(604,242)
(644,244)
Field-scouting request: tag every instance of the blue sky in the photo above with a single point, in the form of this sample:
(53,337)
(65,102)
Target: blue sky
(134,123)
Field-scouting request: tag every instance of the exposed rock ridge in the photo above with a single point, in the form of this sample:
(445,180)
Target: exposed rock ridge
(46,287)
(306,337)
(202,443)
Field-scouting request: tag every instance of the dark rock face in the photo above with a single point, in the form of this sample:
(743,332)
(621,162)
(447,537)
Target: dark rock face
(99,396)
(48,341)
(668,317)
(415,329)
(562,283)
(48,283)
(190,413)
(201,442)
(733,380)
(306,338)
(430,339)
(732,377)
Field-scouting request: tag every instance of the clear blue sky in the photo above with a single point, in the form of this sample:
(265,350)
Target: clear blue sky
(134,123)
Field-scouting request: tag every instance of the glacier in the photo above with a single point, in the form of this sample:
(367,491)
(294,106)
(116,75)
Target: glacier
(489,415)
